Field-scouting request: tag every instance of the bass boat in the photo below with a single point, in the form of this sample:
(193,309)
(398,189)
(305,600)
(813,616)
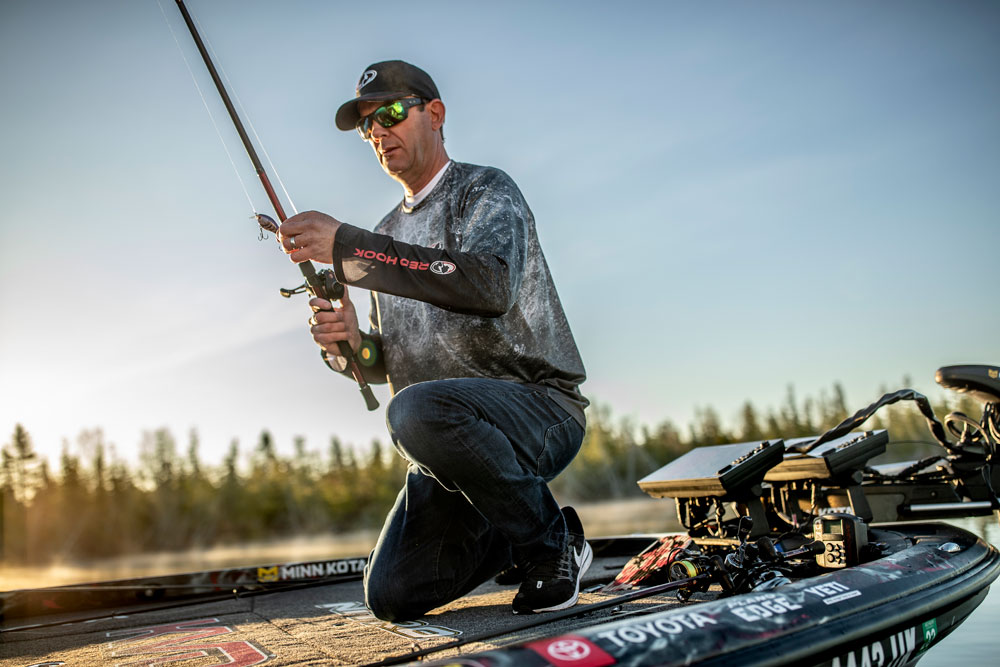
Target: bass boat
(795,552)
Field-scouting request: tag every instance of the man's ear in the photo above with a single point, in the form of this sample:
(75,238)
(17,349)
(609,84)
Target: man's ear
(436,109)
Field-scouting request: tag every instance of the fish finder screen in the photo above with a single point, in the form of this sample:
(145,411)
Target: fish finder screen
(833,527)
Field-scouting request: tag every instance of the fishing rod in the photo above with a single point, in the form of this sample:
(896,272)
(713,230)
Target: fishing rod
(322,284)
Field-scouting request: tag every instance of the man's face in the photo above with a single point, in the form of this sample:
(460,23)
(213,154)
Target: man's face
(402,149)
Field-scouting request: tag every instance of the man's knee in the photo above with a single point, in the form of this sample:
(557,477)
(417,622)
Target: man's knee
(383,610)
(403,409)
(383,598)
(417,417)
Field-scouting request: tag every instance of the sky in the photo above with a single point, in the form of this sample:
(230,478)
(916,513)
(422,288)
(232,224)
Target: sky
(732,197)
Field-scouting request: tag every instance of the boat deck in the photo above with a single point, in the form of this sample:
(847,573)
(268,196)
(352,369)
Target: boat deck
(887,611)
(323,625)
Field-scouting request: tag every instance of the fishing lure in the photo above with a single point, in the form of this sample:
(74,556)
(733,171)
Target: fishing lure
(266,222)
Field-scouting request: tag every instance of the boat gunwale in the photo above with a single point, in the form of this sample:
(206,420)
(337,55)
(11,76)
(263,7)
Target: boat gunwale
(977,569)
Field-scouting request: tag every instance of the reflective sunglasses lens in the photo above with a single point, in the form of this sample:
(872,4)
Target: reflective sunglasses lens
(390,114)
(386,116)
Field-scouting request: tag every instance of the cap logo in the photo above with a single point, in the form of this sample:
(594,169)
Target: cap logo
(367,78)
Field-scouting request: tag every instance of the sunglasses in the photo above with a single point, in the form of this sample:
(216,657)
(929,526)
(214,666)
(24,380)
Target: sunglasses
(386,116)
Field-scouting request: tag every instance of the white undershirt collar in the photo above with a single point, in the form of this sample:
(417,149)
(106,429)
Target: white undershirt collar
(410,202)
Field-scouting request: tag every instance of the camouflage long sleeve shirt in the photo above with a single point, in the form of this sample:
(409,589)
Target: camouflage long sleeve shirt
(460,288)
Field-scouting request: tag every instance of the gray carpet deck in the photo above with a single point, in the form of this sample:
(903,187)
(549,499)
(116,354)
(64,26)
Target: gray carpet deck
(323,625)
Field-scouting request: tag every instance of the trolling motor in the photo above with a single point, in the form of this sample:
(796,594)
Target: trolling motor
(960,482)
(982,383)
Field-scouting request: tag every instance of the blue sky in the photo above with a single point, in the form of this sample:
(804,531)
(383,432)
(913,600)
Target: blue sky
(733,197)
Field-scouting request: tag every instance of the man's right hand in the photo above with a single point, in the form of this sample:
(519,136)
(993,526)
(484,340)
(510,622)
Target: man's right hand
(330,326)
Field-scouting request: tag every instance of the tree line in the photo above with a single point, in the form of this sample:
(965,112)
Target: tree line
(96,505)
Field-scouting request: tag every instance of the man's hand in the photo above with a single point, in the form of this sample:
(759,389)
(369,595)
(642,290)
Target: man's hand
(309,235)
(330,326)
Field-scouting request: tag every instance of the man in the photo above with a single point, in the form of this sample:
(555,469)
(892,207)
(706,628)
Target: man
(468,330)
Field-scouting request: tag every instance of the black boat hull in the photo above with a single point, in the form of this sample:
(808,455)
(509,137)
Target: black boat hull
(887,612)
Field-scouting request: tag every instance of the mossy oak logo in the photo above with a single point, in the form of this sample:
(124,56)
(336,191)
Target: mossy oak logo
(367,78)
(189,640)
(442,268)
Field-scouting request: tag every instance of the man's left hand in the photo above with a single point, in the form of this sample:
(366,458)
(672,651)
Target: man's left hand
(309,235)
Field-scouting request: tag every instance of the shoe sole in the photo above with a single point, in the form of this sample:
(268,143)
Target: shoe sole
(588,557)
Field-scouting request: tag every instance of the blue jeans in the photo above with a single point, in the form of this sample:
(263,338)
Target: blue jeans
(476,498)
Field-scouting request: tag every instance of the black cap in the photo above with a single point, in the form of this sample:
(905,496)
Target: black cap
(387,80)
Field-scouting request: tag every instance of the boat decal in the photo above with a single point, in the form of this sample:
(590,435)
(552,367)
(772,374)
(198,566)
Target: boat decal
(894,650)
(173,642)
(359,613)
(930,634)
(571,651)
(315,570)
(758,607)
(640,633)
(833,592)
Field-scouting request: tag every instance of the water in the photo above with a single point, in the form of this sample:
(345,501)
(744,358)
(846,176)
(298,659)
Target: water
(974,642)
(605,518)
(179,562)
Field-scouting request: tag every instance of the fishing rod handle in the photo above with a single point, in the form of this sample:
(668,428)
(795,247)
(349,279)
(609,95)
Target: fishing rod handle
(352,363)
(326,286)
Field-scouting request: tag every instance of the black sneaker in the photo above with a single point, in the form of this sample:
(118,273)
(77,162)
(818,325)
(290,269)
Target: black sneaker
(555,584)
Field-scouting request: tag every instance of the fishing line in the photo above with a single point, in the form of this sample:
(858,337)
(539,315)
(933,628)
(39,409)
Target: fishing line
(207,108)
(244,114)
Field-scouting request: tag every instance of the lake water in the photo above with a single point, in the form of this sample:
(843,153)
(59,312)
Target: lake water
(973,644)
